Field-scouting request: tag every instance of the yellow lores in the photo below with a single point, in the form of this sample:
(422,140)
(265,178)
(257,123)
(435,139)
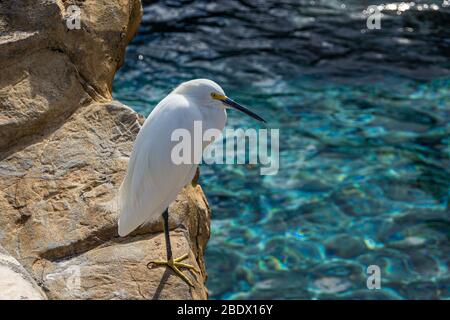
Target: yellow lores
(218,96)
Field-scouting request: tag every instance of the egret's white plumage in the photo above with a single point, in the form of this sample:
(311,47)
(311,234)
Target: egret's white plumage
(153,180)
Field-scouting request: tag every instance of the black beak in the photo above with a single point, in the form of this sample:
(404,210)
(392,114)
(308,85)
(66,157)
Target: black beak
(237,106)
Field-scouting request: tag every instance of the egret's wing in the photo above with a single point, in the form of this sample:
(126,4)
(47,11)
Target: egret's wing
(153,180)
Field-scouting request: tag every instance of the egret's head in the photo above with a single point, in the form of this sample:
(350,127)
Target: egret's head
(210,93)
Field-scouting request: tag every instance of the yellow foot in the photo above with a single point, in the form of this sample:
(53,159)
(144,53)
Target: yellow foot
(175,265)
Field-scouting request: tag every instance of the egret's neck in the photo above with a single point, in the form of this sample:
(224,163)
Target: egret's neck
(214,117)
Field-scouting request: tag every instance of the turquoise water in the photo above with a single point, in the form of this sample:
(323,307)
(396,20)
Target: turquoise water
(364,142)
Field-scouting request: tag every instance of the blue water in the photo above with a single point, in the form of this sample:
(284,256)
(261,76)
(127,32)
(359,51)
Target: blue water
(364,141)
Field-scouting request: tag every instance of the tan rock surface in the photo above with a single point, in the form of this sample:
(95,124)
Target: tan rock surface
(48,71)
(64,147)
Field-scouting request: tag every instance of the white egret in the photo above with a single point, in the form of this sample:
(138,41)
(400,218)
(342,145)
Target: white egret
(152,180)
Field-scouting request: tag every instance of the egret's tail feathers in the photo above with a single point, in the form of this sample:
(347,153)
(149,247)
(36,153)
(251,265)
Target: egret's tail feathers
(125,229)
(126,222)
(134,214)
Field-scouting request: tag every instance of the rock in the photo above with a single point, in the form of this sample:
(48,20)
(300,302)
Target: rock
(331,285)
(345,246)
(64,147)
(48,71)
(15,282)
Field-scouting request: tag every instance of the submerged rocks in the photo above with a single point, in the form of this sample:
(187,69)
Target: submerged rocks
(345,246)
(64,146)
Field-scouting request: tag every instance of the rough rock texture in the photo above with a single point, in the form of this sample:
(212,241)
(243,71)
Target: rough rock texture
(48,71)
(15,282)
(64,146)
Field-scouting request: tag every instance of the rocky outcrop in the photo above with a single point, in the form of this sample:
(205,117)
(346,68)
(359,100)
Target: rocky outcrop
(64,146)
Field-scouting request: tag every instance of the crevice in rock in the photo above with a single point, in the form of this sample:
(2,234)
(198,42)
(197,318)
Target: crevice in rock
(45,124)
(88,87)
(100,238)
(95,239)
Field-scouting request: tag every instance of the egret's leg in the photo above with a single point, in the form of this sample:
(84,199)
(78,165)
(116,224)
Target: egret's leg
(172,263)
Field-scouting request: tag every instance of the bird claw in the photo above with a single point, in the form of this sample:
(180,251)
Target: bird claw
(175,265)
